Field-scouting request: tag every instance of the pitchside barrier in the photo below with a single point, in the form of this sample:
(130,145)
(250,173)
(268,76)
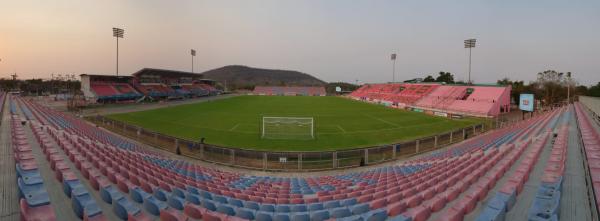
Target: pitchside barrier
(291,161)
(593,105)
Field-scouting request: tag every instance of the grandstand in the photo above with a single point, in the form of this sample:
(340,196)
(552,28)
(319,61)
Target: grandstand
(103,88)
(146,83)
(472,100)
(67,169)
(289,90)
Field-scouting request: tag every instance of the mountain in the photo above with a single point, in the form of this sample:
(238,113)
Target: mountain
(243,77)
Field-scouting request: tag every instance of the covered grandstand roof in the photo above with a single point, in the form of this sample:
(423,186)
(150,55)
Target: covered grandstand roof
(166,73)
(111,77)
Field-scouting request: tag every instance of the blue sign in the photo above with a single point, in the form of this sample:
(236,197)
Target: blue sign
(526,102)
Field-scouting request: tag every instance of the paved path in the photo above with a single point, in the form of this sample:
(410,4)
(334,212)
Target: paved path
(574,201)
(9,204)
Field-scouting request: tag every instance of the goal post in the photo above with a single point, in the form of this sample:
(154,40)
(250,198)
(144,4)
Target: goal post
(290,128)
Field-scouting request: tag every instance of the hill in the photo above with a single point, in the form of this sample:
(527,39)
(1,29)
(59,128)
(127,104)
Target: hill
(243,77)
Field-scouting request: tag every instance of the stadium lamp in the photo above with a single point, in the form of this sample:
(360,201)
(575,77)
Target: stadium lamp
(118,33)
(470,43)
(193,53)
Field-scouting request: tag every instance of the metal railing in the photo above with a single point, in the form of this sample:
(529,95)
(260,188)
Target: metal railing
(593,105)
(292,160)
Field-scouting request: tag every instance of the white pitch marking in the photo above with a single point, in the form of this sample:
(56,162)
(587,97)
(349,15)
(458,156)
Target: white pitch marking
(342,129)
(233,128)
(382,120)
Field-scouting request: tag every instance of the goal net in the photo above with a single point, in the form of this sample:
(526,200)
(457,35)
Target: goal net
(292,128)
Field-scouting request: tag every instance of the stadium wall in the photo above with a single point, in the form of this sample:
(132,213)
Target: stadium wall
(86,89)
(291,160)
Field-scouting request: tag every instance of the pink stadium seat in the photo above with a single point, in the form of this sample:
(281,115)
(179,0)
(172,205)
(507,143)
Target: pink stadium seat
(171,214)
(39,213)
(419,213)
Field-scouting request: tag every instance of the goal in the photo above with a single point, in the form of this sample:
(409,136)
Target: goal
(291,128)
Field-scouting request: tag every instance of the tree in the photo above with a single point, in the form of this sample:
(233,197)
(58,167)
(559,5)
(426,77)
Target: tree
(581,90)
(518,87)
(551,86)
(594,91)
(429,78)
(445,77)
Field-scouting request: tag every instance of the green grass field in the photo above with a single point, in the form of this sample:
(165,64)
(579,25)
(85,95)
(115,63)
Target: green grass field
(339,123)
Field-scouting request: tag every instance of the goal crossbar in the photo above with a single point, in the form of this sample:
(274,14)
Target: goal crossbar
(287,127)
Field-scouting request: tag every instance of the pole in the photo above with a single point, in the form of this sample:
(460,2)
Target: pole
(469,82)
(117,56)
(569,89)
(569,93)
(192,63)
(394,71)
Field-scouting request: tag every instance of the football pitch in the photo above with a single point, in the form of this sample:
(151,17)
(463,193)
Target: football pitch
(339,123)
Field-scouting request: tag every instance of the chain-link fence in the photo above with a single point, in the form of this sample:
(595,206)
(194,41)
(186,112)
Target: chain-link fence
(290,161)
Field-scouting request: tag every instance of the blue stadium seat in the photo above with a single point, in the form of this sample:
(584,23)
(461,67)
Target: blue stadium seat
(282,209)
(267,208)
(161,194)
(82,202)
(349,202)
(139,195)
(375,215)
(124,207)
(341,212)
(33,190)
(225,209)
(332,204)
(69,185)
(301,216)
(209,205)
(235,202)
(244,213)
(264,216)
(319,215)
(281,217)
(175,202)
(154,206)
(220,199)
(298,208)
(359,208)
(251,205)
(315,207)
(495,210)
(178,192)
(193,198)
(110,194)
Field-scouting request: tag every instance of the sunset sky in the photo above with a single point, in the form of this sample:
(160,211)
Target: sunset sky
(338,40)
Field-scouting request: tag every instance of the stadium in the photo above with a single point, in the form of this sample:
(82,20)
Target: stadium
(399,151)
(314,130)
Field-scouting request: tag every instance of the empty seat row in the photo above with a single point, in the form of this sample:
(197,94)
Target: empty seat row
(505,198)
(34,199)
(591,143)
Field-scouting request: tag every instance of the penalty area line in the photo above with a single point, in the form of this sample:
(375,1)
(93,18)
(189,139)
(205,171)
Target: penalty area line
(382,120)
(342,129)
(235,126)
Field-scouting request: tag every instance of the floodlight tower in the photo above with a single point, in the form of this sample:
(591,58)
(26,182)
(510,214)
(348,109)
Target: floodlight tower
(568,87)
(193,53)
(118,33)
(470,43)
(393,57)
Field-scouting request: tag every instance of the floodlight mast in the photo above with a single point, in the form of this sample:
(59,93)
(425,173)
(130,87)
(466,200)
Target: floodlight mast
(193,53)
(470,43)
(393,57)
(118,33)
